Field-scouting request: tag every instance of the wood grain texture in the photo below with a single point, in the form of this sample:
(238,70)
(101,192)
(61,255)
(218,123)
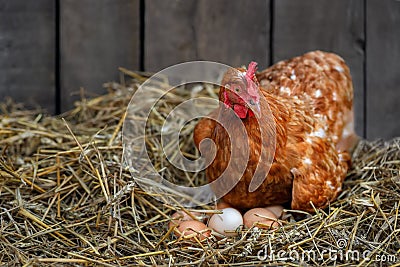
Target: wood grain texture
(27,52)
(334,26)
(230,32)
(383,69)
(97,37)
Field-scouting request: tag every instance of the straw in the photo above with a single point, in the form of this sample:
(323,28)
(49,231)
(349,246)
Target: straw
(67,198)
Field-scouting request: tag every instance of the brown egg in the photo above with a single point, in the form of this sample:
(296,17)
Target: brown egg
(181,216)
(222,205)
(259,217)
(191,229)
(276,209)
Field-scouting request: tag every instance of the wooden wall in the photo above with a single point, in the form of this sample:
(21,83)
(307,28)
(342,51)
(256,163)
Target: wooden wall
(27,51)
(50,49)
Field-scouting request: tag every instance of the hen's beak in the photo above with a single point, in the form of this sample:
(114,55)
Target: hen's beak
(255,107)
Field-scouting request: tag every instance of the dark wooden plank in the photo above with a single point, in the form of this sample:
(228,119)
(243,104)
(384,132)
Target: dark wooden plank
(335,26)
(97,37)
(230,32)
(383,69)
(27,53)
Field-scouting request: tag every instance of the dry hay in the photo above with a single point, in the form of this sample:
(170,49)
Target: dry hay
(67,199)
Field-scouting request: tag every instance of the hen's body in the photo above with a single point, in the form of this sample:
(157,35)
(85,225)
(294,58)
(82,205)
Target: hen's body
(310,98)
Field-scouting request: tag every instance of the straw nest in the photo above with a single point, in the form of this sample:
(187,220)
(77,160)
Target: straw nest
(67,199)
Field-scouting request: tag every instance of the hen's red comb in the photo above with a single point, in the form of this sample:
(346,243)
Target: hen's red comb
(251,71)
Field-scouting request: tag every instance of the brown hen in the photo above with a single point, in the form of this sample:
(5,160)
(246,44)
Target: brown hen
(310,99)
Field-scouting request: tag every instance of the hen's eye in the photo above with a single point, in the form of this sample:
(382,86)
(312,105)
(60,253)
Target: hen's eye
(237,89)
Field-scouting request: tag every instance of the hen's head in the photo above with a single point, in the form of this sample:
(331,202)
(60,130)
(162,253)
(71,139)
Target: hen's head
(240,92)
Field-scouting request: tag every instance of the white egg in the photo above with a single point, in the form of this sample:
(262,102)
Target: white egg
(229,220)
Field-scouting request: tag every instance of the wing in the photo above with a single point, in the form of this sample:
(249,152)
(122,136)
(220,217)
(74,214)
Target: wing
(204,129)
(323,82)
(319,177)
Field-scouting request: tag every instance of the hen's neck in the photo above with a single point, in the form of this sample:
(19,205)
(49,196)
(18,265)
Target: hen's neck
(277,108)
